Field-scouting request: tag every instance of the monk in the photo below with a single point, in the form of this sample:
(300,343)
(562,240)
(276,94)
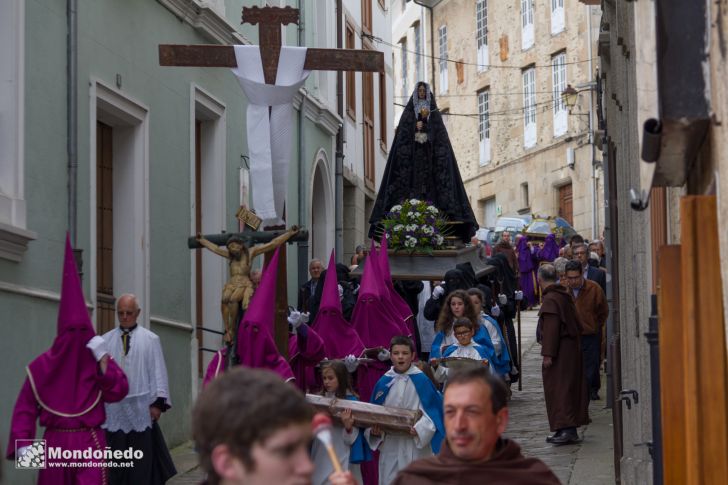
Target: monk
(475,452)
(564,381)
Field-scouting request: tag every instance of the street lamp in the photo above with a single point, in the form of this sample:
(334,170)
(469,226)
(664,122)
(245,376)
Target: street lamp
(570,96)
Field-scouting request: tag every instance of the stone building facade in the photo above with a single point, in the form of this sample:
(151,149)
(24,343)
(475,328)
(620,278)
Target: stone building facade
(500,69)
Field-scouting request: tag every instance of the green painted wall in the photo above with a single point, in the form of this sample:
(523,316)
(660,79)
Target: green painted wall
(120,39)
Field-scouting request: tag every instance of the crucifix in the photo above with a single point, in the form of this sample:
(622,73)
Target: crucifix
(269,20)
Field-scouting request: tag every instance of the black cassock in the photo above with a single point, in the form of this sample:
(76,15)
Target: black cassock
(425,171)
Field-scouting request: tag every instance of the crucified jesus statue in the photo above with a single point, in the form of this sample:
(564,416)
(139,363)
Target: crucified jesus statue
(239,288)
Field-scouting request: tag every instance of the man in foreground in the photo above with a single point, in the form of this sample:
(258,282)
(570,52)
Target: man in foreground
(474,452)
(250,427)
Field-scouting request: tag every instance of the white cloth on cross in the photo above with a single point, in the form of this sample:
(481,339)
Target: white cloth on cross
(270,136)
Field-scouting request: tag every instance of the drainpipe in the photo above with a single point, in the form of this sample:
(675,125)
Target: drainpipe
(72,126)
(595,216)
(302,269)
(339,184)
(653,340)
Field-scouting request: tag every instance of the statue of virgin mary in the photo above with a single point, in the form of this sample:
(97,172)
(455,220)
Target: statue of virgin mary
(422,165)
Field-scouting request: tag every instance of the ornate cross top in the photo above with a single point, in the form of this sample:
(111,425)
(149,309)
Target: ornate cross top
(270,20)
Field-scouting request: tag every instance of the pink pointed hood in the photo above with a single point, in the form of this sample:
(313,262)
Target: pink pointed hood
(340,338)
(372,318)
(403,309)
(63,378)
(256,347)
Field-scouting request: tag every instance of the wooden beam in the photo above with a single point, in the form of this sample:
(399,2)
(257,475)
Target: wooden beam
(704,348)
(673,371)
(202,55)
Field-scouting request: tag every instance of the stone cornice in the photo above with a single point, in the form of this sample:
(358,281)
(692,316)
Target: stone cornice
(205,20)
(317,112)
(14,241)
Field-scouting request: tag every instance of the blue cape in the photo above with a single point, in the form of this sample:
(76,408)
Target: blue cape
(430,400)
(360,451)
(482,351)
(502,364)
(481,338)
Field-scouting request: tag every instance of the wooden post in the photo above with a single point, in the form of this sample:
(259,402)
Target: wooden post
(694,372)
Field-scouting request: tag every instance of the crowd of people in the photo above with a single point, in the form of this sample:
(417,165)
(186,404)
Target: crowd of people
(446,349)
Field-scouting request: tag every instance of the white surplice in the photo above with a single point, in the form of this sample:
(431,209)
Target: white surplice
(396,450)
(147,375)
(342,442)
(467,351)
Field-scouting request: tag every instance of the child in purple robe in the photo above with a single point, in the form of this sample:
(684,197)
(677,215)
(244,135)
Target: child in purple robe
(66,389)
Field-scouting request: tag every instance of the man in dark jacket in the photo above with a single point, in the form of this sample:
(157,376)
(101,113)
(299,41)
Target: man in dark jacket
(597,275)
(308,289)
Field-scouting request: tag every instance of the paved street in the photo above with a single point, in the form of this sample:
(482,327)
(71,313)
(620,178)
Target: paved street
(587,463)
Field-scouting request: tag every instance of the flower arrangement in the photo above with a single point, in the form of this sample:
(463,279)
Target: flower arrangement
(414,225)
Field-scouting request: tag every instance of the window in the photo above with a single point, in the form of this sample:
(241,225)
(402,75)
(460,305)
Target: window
(418,52)
(403,48)
(442,35)
(558,76)
(481,34)
(529,107)
(366,15)
(484,127)
(525,202)
(368,122)
(557,16)
(526,24)
(350,76)
(383,111)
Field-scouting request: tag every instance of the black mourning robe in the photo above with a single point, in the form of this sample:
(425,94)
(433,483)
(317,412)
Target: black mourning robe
(425,171)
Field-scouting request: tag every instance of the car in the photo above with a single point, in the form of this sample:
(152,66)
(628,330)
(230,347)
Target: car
(513,224)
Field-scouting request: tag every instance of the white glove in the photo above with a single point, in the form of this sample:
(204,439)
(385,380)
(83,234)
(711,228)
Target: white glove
(383,355)
(97,345)
(495,311)
(341,292)
(305,316)
(21,451)
(519,295)
(438,292)
(295,319)
(351,363)
(502,299)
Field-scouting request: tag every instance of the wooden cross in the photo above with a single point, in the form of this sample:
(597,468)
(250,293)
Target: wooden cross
(270,20)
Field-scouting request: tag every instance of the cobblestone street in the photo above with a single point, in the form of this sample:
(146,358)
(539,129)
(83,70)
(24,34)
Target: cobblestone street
(587,463)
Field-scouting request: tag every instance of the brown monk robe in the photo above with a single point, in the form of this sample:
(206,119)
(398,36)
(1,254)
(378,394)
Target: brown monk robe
(564,383)
(506,466)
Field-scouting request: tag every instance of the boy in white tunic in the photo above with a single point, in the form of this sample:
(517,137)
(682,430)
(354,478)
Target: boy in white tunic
(406,386)
(465,348)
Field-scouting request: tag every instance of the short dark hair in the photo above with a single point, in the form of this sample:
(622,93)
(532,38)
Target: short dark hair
(573,266)
(241,408)
(468,374)
(576,239)
(477,292)
(463,322)
(547,273)
(402,340)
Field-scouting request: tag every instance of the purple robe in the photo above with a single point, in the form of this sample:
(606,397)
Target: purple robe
(306,351)
(68,433)
(550,249)
(527,264)
(215,367)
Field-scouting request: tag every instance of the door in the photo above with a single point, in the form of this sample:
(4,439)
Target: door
(566,207)
(105,300)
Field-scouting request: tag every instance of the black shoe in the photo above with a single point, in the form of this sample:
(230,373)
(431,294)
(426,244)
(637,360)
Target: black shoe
(550,438)
(566,437)
(594,396)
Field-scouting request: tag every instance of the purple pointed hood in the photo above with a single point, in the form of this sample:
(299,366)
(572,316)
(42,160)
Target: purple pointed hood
(550,249)
(340,338)
(256,347)
(525,257)
(372,319)
(63,378)
(401,307)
